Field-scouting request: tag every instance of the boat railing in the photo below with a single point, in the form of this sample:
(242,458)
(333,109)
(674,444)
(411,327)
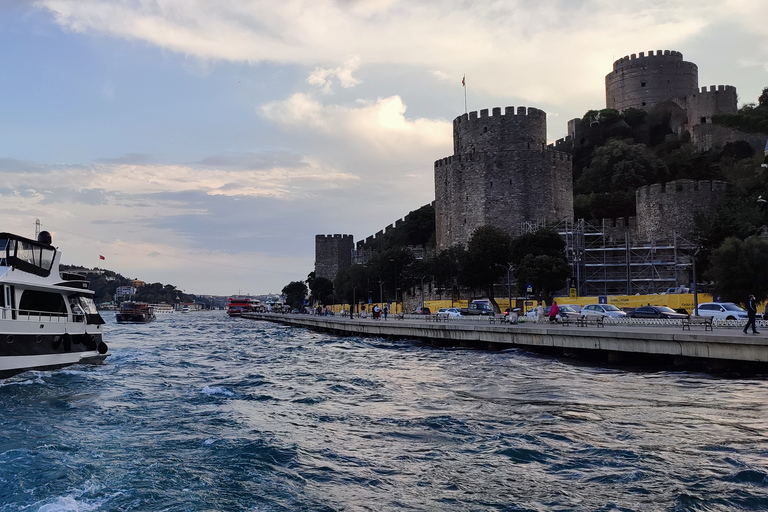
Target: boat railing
(41,316)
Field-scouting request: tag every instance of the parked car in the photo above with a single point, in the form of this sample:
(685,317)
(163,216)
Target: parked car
(655,312)
(574,307)
(565,312)
(478,307)
(449,312)
(606,310)
(723,311)
(422,311)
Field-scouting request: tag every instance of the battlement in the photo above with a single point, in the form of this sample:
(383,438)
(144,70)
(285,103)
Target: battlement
(718,88)
(496,113)
(630,60)
(326,237)
(678,186)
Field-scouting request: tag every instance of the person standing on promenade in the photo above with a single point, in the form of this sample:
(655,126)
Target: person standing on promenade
(752,314)
(385,311)
(540,313)
(553,311)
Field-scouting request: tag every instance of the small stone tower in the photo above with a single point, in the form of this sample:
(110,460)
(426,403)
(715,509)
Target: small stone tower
(332,252)
(501,174)
(664,209)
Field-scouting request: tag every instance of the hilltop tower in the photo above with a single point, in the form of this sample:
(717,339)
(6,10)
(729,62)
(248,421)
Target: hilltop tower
(332,252)
(645,81)
(501,174)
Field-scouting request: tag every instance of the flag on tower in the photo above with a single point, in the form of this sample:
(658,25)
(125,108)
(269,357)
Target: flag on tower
(462,81)
(101,257)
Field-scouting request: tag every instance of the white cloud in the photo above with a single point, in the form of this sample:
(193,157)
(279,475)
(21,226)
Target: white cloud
(321,77)
(539,50)
(377,127)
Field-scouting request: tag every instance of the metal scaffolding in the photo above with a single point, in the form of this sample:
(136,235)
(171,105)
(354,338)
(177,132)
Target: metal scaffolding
(618,264)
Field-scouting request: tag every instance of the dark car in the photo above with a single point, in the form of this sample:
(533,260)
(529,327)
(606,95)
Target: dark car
(655,312)
(423,311)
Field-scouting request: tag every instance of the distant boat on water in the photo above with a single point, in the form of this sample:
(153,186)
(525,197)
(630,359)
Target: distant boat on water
(135,313)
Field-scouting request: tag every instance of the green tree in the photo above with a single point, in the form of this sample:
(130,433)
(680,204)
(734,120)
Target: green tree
(539,259)
(486,259)
(740,268)
(321,289)
(295,292)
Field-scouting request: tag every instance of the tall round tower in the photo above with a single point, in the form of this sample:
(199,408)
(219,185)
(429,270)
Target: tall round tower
(646,80)
(501,174)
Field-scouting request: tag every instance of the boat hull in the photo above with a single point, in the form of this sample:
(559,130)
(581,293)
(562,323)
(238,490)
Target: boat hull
(127,318)
(20,352)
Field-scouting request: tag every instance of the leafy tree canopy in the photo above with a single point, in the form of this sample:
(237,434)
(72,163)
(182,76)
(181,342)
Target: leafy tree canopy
(739,269)
(486,259)
(295,292)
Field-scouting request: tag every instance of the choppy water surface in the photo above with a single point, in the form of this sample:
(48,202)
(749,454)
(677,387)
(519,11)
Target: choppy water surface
(202,412)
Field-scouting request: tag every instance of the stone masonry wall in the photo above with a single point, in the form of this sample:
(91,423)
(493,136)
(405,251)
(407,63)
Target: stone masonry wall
(332,252)
(665,209)
(721,99)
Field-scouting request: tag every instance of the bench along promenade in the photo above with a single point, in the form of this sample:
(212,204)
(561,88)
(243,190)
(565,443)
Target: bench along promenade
(651,343)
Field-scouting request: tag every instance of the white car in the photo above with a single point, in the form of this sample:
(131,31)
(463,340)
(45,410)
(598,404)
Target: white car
(605,310)
(449,312)
(723,311)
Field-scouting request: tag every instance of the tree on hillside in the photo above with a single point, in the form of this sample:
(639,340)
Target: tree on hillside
(295,292)
(739,268)
(486,259)
(539,259)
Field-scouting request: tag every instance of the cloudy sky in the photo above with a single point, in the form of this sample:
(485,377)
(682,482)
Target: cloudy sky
(204,143)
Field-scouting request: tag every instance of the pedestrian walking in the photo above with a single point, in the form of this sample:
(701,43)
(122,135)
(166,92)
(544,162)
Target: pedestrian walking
(752,315)
(553,311)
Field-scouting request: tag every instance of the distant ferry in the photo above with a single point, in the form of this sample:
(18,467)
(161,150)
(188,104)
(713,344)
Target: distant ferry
(135,313)
(162,308)
(239,304)
(48,318)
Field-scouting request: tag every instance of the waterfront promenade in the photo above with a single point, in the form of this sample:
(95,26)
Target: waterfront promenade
(642,344)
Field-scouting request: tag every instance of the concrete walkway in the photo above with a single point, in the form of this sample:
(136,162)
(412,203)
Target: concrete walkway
(613,342)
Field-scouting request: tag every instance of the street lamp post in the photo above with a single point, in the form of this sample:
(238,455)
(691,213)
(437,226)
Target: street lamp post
(352,306)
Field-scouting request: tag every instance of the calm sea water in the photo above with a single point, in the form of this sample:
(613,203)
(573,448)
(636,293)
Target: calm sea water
(201,412)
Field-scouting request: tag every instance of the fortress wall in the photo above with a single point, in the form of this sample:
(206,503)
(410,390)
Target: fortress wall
(615,230)
(721,99)
(664,209)
(643,81)
(500,189)
(481,132)
(708,136)
(332,252)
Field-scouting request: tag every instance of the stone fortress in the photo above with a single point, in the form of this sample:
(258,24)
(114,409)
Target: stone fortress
(503,174)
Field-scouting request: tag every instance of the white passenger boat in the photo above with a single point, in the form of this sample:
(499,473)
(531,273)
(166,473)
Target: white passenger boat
(48,318)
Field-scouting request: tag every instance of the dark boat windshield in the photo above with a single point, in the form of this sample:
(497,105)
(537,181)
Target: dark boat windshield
(27,255)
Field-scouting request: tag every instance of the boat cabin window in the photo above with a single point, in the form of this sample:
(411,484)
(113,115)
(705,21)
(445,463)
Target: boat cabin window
(26,255)
(37,301)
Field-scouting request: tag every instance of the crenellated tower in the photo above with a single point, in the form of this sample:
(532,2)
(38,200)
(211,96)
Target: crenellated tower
(332,252)
(643,81)
(501,174)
